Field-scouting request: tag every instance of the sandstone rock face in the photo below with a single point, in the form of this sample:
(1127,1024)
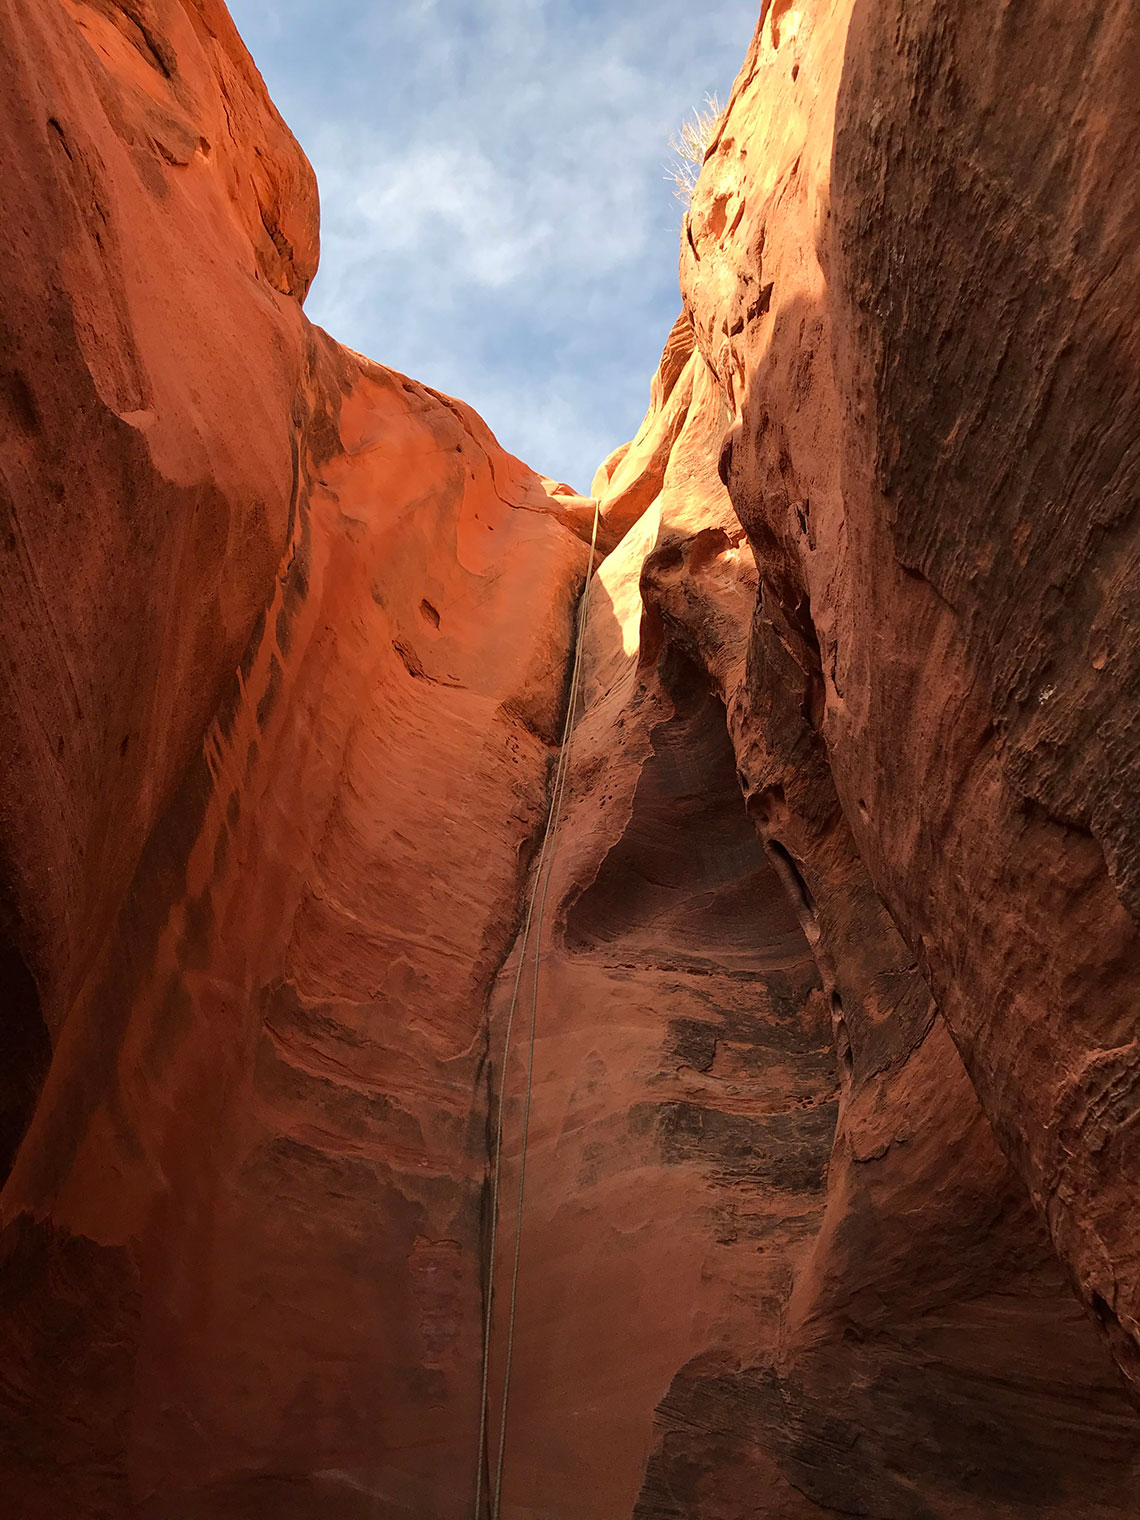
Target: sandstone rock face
(832,1102)
(162,225)
(755,1154)
(685,1092)
(284,649)
(908,350)
(935,436)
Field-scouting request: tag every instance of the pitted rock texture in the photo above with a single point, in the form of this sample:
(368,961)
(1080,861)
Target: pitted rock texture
(871,1316)
(834,1069)
(908,351)
(911,276)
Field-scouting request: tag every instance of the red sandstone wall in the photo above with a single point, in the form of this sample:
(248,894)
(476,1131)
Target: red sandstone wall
(685,1088)
(905,271)
(835,1049)
(284,642)
(918,307)
(762,1200)
(161,227)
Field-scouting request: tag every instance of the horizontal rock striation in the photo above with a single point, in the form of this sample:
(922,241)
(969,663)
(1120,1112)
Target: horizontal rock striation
(866,1311)
(831,1159)
(912,314)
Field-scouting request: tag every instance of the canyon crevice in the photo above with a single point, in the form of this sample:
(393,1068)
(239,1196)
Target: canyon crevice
(832,1158)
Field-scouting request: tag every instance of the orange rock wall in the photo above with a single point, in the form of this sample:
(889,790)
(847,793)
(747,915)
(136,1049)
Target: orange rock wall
(162,225)
(908,351)
(833,1075)
(685,1088)
(1020,894)
(284,652)
(773,1260)
(879,260)
(930,356)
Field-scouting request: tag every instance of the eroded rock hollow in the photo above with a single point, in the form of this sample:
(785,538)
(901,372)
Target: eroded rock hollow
(832,1150)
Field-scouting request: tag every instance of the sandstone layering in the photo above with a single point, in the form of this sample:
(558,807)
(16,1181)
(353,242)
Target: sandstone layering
(834,1135)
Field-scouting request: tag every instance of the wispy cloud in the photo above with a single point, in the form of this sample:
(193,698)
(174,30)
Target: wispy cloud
(495,214)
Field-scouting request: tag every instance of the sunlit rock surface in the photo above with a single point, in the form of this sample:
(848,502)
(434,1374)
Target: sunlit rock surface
(284,639)
(834,1083)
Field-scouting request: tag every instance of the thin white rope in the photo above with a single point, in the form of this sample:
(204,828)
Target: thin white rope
(541,880)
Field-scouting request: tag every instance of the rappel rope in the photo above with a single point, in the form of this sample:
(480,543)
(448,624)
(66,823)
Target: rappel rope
(537,900)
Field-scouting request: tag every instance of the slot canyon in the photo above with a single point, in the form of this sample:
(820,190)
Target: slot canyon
(815,927)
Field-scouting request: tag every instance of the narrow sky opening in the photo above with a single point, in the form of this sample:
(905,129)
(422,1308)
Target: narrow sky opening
(496,215)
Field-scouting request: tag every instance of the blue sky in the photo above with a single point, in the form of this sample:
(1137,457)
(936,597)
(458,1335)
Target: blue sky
(495,215)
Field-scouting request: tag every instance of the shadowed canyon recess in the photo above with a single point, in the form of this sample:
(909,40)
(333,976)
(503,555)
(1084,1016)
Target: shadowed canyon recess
(834,1128)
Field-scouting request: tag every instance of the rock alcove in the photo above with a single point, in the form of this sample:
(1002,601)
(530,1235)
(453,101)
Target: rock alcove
(833,1168)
